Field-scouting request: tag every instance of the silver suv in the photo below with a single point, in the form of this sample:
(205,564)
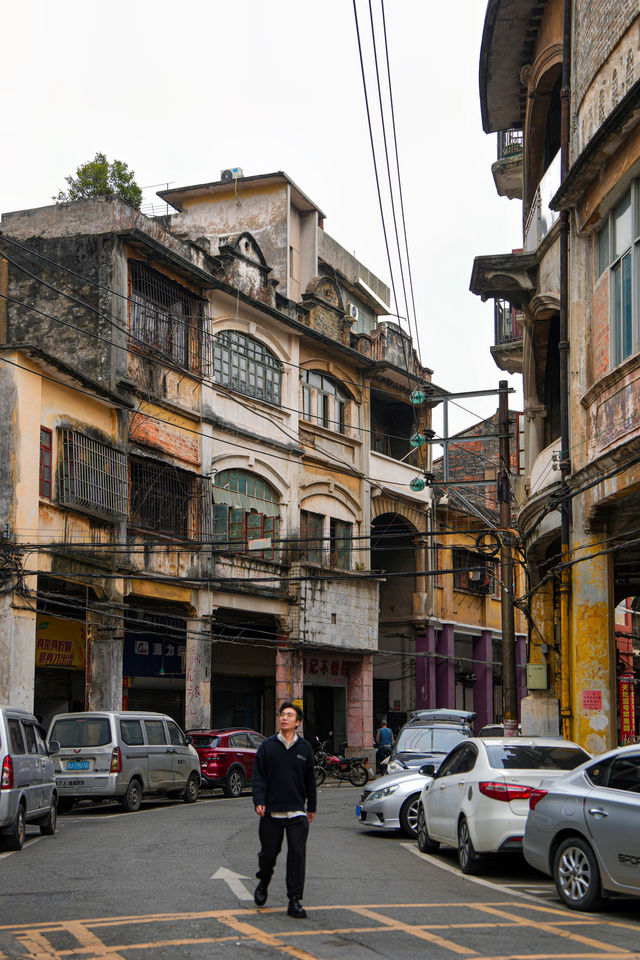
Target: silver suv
(28,792)
(110,755)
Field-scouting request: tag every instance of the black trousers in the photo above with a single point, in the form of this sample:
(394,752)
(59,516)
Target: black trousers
(271,832)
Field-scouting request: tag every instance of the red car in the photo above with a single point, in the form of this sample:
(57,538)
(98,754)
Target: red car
(226,757)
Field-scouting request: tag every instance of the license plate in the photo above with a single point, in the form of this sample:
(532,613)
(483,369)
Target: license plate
(357,811)
(77,764)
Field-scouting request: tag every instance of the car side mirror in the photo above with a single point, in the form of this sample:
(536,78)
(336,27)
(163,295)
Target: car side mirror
(53,747)
(188,738)
(427,769)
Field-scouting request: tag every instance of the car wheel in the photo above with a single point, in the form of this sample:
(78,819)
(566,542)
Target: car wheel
(192,789)
(15,839)
(48,825)
(576,875)
(133,797)
(425,843)
(469,860)
(359,775)
(409,815)
(235,783)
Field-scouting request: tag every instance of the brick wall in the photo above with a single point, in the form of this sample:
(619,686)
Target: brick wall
(597,29)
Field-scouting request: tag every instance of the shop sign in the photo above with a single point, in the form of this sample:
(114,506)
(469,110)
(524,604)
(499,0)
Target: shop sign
(627,710)
(60,643)
(329,671)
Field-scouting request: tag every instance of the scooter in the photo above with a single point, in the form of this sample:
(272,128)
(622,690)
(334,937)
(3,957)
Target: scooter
(353,769)
(382,758)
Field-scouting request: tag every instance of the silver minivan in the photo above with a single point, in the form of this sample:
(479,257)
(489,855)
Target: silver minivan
(28,792)
(123,756)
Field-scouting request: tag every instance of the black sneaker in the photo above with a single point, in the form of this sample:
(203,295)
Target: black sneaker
(296,909)
(260,894)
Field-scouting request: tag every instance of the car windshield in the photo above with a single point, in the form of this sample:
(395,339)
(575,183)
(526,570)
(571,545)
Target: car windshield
(204,740)
(428,739)
(82,732)
(538,757)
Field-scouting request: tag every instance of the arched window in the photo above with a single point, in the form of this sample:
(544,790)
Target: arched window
(324,401)
(246,365)
(245,508)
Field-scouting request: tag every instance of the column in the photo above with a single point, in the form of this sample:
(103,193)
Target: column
(483,684)
(197,689)
(17,651)
(360,707)
(289,673)
(426,669)
(521,670)
(446,669)
(105,643)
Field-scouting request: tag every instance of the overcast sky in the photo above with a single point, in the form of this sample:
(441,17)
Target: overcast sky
(181,91)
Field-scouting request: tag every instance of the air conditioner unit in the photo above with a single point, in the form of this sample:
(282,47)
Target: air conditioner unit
(232,173)
(353,311)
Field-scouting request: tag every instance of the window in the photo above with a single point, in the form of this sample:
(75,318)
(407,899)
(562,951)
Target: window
(155,732)
(617,773)
(617,249)
(169,500)
(45,462)
(131,731)
(472,572)
(341,536)
(311,530)
(30,737)
(245,365)
(176,736)
(15,736)
(324,401)
(82,732)
(245,508)
(165,315)
(94,476)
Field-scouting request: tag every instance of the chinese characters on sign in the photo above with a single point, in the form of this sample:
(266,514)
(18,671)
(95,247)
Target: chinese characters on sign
(592,699)
(627,710)
(325,670)
(60,643)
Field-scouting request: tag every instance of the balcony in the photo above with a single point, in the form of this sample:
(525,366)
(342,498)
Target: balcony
(541,217)
(545,470)
(508,327)
(507,170)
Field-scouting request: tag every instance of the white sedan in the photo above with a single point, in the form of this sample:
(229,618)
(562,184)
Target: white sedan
(391,802)
(478,801)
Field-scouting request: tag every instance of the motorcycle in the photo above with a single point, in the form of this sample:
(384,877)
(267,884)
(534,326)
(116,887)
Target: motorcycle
(383,753)
(353,769)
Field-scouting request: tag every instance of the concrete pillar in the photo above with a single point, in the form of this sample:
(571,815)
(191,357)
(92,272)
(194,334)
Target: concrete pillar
(289,677)
(360,706)
(483,683)
(197,689)
(17,652)
(521,670)
(592,660)
(540,709)
(105,643)
(446,669)
(426,669)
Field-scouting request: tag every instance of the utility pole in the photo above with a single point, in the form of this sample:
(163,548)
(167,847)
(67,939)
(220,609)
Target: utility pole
(509,693)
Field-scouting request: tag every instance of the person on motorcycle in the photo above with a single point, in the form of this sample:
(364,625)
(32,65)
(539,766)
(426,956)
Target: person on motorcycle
(384,742)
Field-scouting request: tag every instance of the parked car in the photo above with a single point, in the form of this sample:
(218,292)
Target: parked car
(478,800)
(391,802)
(427,737)
(226,757)
(497,730)
(122,756)
(28,792)
(582,829)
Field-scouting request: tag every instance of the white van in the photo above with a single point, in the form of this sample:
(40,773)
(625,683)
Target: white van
(124,756)
(28,791)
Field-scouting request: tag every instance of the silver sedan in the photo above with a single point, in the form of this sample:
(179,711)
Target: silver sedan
(582,829)
(391,802)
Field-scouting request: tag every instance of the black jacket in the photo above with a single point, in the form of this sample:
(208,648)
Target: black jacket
(284,779)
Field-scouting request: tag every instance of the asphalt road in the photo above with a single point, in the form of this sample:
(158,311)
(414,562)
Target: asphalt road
(143,886)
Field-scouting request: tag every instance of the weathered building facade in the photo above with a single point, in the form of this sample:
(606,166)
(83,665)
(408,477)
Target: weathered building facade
(559,85)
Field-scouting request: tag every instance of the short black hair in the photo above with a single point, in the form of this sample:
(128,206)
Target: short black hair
(288,705)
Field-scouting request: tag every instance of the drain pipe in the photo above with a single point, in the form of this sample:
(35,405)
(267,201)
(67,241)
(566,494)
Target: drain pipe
(563,349)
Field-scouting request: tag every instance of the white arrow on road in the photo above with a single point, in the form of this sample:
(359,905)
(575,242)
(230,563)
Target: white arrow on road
(234,881)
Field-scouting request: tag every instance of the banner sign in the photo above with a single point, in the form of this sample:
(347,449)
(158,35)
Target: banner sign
(626,696)
(60,643)
(330,671)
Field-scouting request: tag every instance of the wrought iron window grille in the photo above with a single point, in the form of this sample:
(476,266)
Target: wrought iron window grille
(94,476)
(165,316)
(168,500)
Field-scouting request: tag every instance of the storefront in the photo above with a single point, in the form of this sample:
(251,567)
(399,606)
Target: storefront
(325,678)
(154,658)
(60,664)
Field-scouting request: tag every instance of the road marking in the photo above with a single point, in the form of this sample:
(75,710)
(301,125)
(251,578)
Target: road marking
(28,843)
(415,931)
(267,939)
(234,881)
(548,928)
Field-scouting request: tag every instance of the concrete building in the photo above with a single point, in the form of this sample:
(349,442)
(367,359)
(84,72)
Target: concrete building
(559,85)
(188,474)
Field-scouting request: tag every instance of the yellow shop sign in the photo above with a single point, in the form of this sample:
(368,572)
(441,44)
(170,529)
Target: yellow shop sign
(60,643)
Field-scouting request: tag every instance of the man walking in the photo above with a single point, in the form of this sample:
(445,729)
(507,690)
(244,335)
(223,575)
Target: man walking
(283,784)
(384,740)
